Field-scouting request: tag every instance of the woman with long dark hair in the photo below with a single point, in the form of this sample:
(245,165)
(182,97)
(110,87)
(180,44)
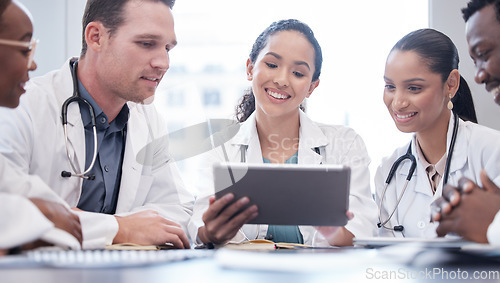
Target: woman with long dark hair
(284,68)
(426,95)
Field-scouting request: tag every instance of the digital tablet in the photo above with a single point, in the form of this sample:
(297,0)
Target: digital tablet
(288,194)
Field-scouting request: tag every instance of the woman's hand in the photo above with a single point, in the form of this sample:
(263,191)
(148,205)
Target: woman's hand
(222,221)
(337,235)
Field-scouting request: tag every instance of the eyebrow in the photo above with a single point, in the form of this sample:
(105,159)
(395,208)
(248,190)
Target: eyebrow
(27,36)
(473,49)
(155,37)
(407,81)
(296,62)
(414,80)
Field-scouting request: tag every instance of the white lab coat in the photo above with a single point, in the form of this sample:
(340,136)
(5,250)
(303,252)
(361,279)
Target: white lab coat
(493,232)
(337,144)
(32,138)
(476,147)
(22,223)
(20,220)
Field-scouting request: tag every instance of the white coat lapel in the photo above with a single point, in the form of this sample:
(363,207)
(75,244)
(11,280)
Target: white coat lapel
(254,151)
(248,136)
(459,157)
(310,138)
(137,139)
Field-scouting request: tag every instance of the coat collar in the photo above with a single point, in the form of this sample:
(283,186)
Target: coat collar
(310,137)
(459,157)
(458,160)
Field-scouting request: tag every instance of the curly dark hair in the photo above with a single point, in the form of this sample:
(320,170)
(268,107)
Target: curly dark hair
(475,5)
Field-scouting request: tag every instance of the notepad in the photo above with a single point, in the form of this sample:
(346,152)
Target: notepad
(261,244)
(288,194)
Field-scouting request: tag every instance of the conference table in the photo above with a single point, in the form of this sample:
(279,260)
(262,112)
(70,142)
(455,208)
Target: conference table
(403,262)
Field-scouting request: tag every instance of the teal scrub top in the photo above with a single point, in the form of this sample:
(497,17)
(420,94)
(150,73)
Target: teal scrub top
(285,233)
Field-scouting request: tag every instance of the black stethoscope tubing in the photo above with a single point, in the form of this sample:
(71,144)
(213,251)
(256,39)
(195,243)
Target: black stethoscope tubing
(64,118)
(409,155)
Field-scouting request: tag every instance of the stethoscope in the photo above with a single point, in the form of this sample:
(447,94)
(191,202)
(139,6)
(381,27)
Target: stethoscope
(64,117)
(394,167)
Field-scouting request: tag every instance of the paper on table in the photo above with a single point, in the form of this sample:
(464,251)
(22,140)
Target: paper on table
(264,245)
(136,247)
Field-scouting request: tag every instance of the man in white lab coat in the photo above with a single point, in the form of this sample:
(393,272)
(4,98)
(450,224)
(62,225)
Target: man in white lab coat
(131,193)
(474,213)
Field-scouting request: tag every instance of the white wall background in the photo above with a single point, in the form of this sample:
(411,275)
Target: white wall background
(57,23)
(355,37)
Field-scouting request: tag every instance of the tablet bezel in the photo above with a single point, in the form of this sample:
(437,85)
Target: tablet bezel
(301,194)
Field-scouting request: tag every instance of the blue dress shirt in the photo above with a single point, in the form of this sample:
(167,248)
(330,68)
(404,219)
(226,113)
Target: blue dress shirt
(101,194)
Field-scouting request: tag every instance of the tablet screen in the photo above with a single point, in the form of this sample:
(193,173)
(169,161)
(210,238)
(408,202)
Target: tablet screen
(288,194)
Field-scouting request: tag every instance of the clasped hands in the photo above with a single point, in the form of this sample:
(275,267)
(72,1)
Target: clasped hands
(467,210)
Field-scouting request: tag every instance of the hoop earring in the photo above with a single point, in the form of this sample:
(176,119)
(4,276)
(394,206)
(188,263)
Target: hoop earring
(450,104)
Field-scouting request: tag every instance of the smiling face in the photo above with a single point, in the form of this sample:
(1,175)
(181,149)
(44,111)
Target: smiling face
(415,97)
(483,38)
(134,59)
(17,26)
(282,74)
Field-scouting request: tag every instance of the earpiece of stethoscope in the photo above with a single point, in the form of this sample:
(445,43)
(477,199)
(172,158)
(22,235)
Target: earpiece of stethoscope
(64,119)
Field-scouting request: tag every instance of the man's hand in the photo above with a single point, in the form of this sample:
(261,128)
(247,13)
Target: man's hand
(467,210)
(221,222)
(149,228)
(62,217)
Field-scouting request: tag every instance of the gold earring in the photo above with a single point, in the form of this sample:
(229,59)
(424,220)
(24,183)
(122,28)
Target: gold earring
(450,104)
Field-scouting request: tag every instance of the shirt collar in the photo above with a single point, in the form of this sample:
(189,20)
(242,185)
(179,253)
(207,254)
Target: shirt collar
(117,124)
(439,166)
